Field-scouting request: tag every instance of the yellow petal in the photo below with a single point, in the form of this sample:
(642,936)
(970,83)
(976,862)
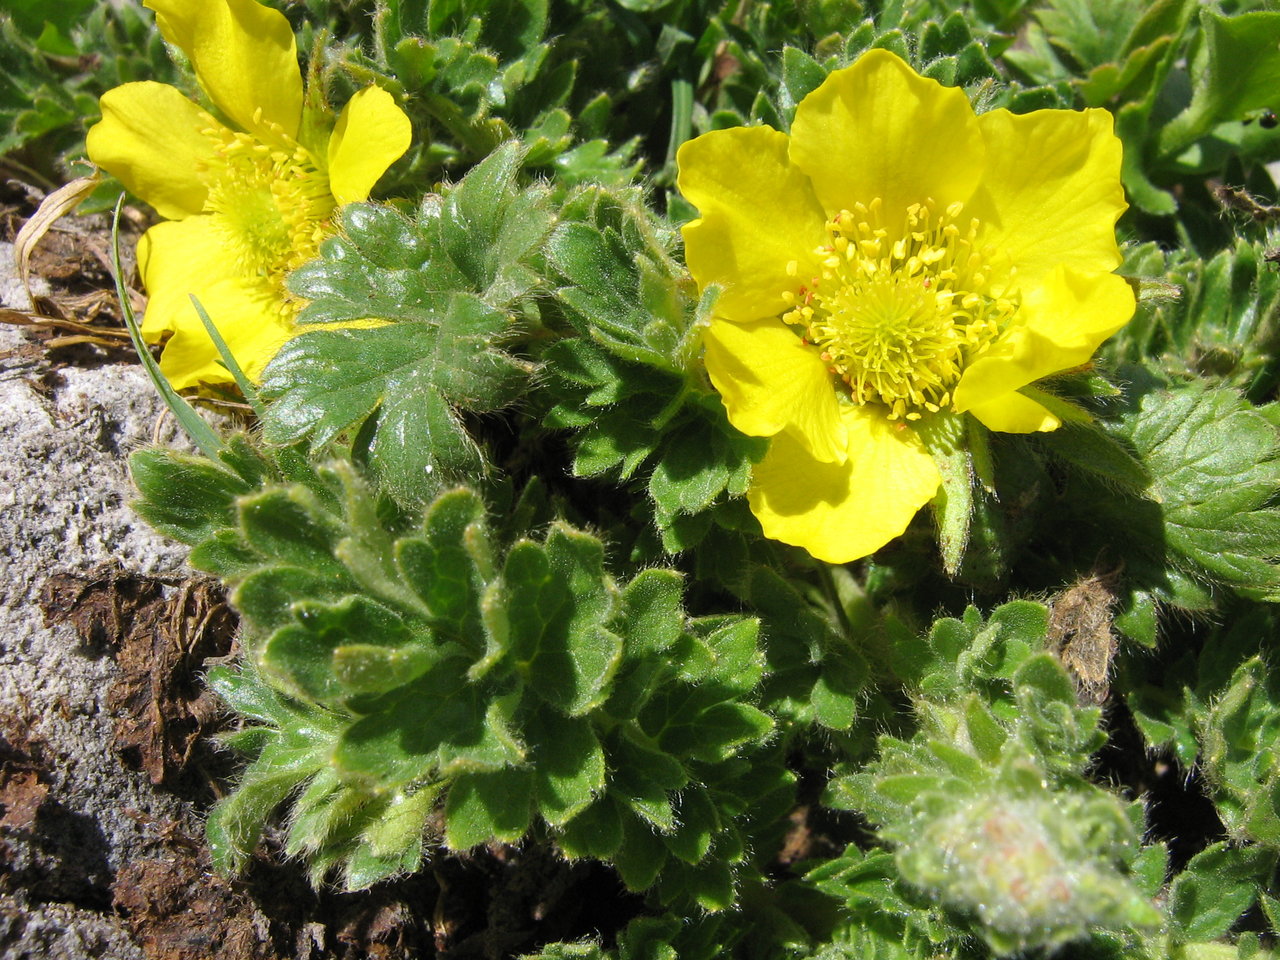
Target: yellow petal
(1051,193)
(181,258)
(245,58)
(879,129)
(759,214)
(1064,318)
(771,382)
(840,512)
(150,138)
(372,133)
(1014,413)
(247,319)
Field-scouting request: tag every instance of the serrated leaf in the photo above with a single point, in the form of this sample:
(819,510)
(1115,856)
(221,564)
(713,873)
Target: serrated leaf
(410,379)
(641,856)
(287,527)
(1044,674)
(985,733)
(698,462)
(437,723)
(643,777)
(489,229)
(699,823)
(446,569)
(595,832)
(652,612)
(365,668)
(1241,73)
(266,598)
(723,727)
(1215,464)
(801,75)
(736,662)
(300,654)
(236,823)
(1089,448)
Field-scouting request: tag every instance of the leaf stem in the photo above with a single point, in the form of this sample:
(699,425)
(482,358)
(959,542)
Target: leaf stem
(832,595)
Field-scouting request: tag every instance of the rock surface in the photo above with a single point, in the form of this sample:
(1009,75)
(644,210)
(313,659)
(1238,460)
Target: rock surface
(73,815)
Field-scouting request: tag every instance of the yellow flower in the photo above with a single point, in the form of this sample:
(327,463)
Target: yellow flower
(897,258)
(246,203)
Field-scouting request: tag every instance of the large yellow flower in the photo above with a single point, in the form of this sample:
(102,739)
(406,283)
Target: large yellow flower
(247,203)
(896,259)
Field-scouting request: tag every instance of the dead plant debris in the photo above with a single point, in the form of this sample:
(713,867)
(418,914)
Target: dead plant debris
(1080,631)
(71,255)
(24,777)
(161,636)
(177,909)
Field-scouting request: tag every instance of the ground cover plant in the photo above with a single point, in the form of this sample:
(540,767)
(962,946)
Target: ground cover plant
(815,460)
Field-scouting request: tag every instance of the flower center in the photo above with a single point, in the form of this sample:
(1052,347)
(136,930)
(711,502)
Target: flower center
(272,206)
(898,315)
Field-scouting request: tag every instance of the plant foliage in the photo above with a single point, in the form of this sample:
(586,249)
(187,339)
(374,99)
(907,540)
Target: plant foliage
(498,582)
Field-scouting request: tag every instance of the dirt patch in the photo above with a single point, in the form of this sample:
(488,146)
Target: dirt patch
(24,781)
(177,909)
(24,787)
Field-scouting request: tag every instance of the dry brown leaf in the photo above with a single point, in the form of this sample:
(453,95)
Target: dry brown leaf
(52,209)
(1080,631)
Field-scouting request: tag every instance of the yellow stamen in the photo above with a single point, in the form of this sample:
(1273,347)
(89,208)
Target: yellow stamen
(273,207)
(905,309)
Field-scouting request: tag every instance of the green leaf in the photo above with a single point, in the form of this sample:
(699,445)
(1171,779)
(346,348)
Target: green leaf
(699,822)
(365,668)
(557,608)
(723,727)
(653,617)
(1090,448)
(184,497)
(1216,887)
(643,777)
(392,843)
(801,75)
(1215,464)
(595,832)
(266,598)
(439,722)
(291,528)
(404,384)
(447,568)
(737,664)
(490,229)
(954,504)
(1241,74)
(1150,868)
(568,765)
(296,653)
(1093,33)
(985,734)
(488,806)
(697,463)
(1044,674)
(640,858)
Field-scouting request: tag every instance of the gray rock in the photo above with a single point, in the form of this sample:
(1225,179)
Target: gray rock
(64,492)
